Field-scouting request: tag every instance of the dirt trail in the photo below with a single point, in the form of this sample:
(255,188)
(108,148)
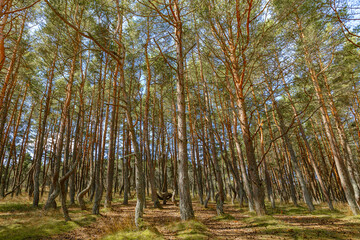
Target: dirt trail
(240,227)
(120,215)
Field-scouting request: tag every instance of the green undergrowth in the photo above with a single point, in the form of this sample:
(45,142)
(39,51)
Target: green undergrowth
(341,210)
(188,230)
(20,220)
(134,234)
(224,217)
(301,227)
(283,230)
(261,221)
(39,228)
(17,207)
(290,222)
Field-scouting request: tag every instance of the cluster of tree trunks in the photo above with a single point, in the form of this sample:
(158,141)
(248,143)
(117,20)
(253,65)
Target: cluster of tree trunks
(210,121)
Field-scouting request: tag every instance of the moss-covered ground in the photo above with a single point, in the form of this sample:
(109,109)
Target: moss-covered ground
(20,220)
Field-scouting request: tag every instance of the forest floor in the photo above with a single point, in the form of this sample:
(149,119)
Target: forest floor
(19,220)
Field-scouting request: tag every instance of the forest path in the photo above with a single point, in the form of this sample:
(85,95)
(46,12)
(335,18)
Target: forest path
(121,217)
(217,229)
(239,224)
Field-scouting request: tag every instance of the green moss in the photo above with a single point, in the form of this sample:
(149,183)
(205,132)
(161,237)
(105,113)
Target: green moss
(191,229)
(105,210)
(224,217)
(261,221)
(35,230)
(16,207)
(140,235)
(192,236)
(290,222)
(184,225)
(285,231)
(291,210)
